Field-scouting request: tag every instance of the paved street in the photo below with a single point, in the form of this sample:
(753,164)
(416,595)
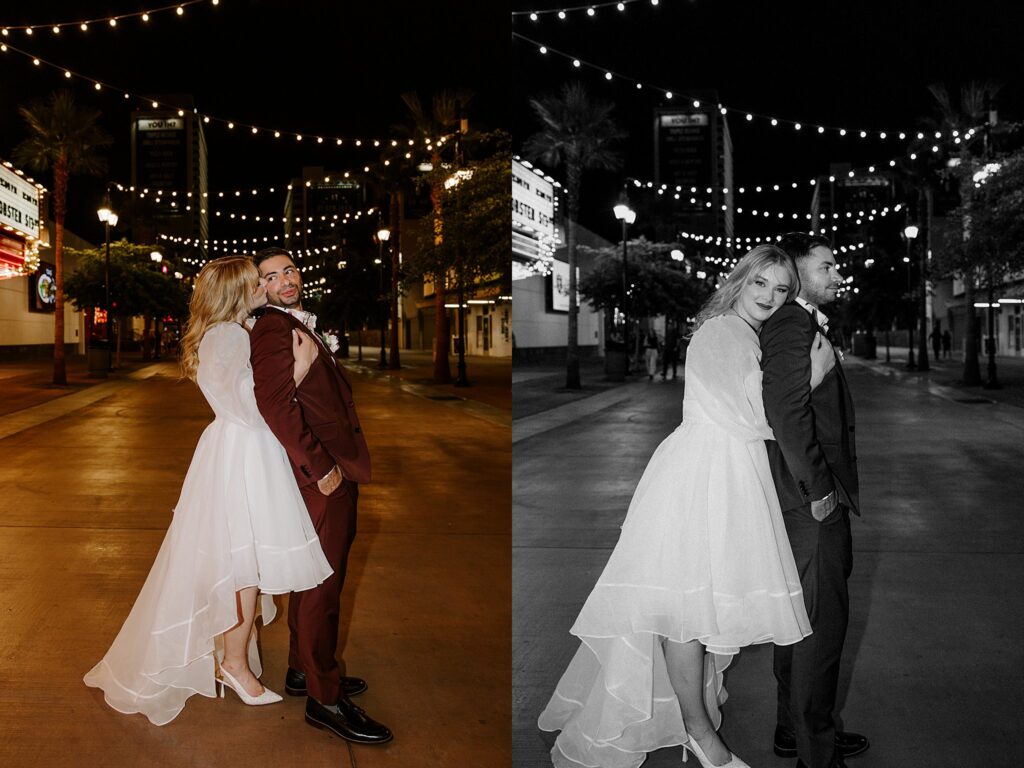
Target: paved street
(932,667)
(90,475)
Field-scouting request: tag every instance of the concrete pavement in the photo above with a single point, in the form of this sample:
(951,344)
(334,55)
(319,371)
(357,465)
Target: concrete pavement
(932,668)
(89,485)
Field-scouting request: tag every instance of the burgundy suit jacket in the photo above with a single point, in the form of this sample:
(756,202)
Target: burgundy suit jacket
(316,422)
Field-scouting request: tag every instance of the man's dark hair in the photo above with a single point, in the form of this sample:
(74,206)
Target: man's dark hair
(269,253)
(799,244)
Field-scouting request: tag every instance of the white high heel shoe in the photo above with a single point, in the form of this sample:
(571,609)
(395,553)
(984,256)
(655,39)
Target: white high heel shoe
(226,680)
(705,761)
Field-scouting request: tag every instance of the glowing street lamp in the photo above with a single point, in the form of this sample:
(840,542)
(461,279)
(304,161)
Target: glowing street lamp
(627,216)
(383,235)
(109,219)
(910,232)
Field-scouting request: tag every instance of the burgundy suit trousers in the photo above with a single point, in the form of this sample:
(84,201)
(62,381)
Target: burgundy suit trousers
(313,614)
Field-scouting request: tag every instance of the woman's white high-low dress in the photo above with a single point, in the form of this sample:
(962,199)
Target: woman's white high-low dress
(703,554)
(240,522)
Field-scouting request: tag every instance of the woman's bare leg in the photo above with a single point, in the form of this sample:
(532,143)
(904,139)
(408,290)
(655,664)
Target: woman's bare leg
(236,642)
(685,662)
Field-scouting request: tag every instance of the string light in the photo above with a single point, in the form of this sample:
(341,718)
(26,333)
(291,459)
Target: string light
(83,24)
(590,10)
(98,85)
(746,115)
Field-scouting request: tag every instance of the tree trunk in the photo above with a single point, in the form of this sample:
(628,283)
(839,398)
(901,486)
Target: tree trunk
(972,371)
(147,325)
(572,351)
(119,334)
(60,191)
(395,222)
(442,373)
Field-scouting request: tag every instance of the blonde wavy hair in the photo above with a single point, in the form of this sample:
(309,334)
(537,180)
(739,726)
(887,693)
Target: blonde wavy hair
(222,293)
(753,263)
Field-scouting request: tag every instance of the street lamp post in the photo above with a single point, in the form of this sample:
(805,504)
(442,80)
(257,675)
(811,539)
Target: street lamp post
(910,232)
(109,219)
(627,216)
(452,183)
(382,237)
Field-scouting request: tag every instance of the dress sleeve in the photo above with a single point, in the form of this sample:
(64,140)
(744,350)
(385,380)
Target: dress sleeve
(226,375)
(723,364)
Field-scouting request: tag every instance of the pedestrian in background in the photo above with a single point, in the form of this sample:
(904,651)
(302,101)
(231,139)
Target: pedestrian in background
(651,354)
(947,343)
(936,339)
(670,356)
(702,566)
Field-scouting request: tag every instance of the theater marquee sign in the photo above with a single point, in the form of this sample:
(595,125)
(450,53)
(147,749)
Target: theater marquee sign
(19,204)
(19,222)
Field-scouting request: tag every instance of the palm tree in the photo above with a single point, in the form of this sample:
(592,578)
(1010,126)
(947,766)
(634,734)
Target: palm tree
(577,132)
(63,138)
(438,121)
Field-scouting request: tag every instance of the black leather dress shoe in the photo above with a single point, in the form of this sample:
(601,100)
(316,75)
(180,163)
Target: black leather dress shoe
(295,684)
(847,744)
(837,763)
(350,722)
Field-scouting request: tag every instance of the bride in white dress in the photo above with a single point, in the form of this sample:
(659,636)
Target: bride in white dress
(240,527)
(703,565)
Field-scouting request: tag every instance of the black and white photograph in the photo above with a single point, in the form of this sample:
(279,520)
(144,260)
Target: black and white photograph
(767,384)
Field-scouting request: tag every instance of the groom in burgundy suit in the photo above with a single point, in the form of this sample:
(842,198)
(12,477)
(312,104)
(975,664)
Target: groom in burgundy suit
(317,424)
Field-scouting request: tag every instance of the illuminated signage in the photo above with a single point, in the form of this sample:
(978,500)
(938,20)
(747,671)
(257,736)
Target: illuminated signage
(559,282)
(162,124)
(19,204)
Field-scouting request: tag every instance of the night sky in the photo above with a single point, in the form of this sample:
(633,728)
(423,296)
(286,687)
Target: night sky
(862,66)
(318,68)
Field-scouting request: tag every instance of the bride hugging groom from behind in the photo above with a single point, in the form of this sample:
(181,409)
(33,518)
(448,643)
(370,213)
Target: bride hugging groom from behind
(268,506)
(738,533)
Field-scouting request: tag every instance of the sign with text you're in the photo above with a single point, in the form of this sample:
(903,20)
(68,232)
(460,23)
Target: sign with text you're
(161,156)
(684,151)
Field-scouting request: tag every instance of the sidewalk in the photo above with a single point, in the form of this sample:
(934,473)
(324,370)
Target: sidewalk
(931,668)
(90,475)
(28,383)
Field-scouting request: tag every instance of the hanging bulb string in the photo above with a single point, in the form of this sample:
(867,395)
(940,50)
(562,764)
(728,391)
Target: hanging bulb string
(591,9)
(231,125)
(111,21)
(697,103)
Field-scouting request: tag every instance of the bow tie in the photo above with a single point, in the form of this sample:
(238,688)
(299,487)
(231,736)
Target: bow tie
(306,318)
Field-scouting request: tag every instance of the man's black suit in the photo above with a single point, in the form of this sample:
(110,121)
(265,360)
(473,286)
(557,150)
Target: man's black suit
(812,455)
